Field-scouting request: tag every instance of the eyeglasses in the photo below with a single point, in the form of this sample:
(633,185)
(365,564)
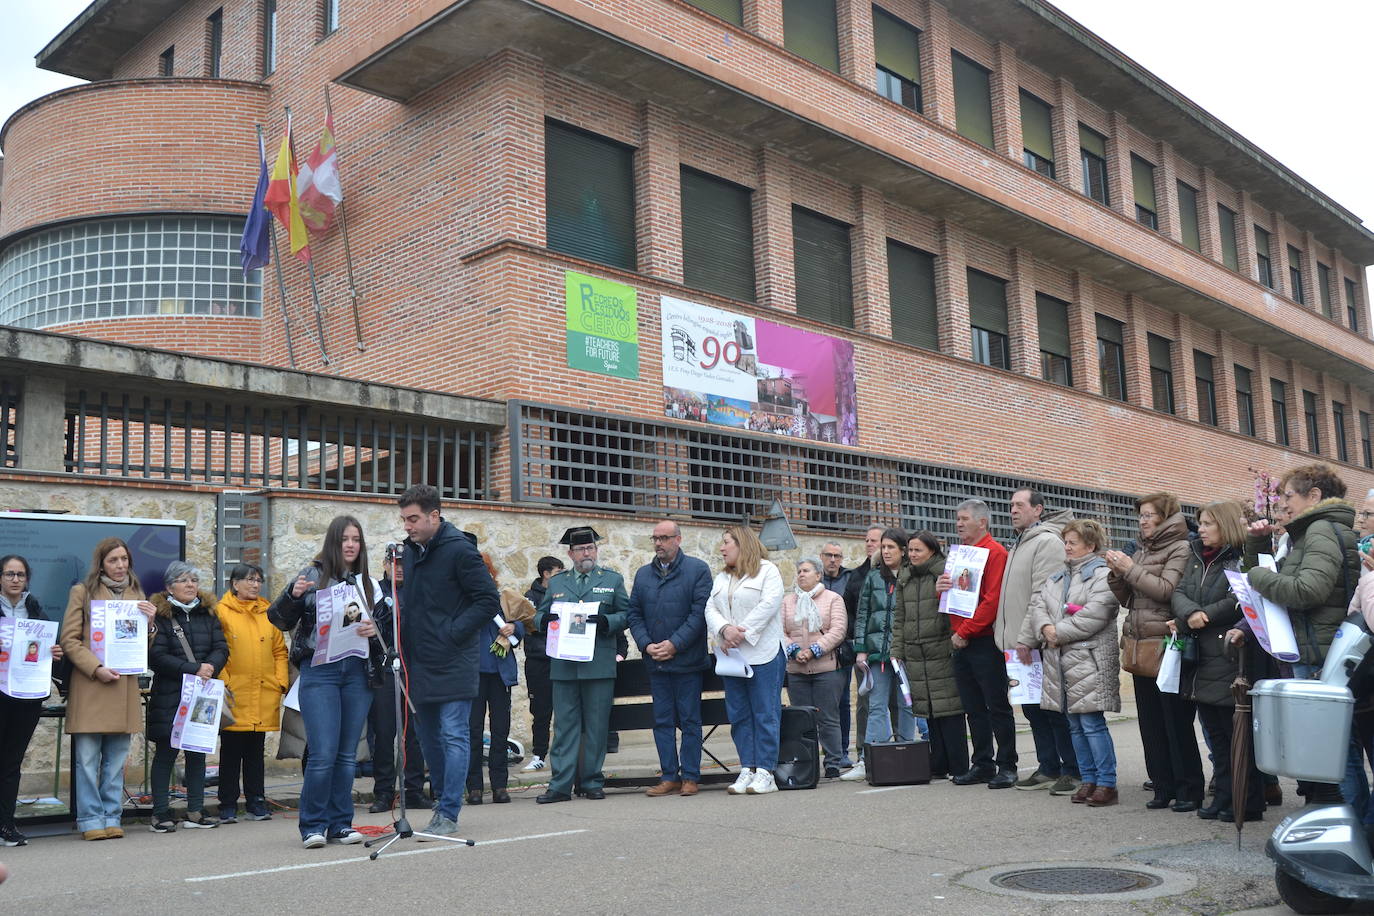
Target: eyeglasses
(833,556)
(15,574)
(660,538)
(1147,516)
(1364,513)
(186,579)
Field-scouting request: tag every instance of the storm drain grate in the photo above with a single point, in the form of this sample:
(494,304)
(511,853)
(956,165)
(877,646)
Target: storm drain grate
(1076,880)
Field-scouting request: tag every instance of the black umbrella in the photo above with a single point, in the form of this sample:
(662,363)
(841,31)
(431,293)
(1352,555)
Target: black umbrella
(1241,737)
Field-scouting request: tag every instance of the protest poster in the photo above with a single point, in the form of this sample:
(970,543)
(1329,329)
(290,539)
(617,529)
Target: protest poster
(119,636)
(1024,681)
(26,657)
(572,637)
(1270,623)
(196,724)
(732,369)
(965,567)
(339,610)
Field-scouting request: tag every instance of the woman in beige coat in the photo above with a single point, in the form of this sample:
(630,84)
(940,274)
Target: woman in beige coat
(1074,618)
(103,706)
(814,623)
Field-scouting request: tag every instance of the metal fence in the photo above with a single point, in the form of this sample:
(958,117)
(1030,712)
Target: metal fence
(300,446)
(587,460)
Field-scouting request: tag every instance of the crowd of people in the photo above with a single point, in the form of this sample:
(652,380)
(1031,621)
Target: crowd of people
(1057,592)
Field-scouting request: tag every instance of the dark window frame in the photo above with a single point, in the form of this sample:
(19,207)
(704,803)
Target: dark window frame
(799,11)
(1161,374)
(1144,215)
(1295,280)
(1311,422)
(1094,165)
(1037,161)
(1056,363)
(892,85)
(166,62)
(1226,235)
(704,265)
(567,225)
(269,37)
(839,309)
(1352,304)
(971,67)
(1338,424)
(214,44)
(924,330)
(1278,401)
(1324,291)
(990,345)
(1245,400)
(1206,387)
(1111,357)
(1189,222)
(329,17)
(1264,267)
(1366,442)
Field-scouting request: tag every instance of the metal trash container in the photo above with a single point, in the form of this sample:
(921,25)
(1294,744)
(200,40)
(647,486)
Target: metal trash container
(1302,728)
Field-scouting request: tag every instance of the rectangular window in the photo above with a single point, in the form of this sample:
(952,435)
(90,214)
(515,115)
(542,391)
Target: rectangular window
(809,30)
(166,61)
(1295,275)
(1324,290)
(911,291)
(820,254)
(1143,186)
(214,27)
(897,47)
(1338,421)
(589,196)
(1187,217)
(972,100)
(729,10)
(1093,147)
(1366,443)
(1263,268)
(1052,315)
(330,17)
(717,236)
(987,306)
(269,37)
(1278,399)
(1352,304)
(1036,133)
(1161,373)
(1309,413)
(1111,358)
(1245,401)
(1226,226)
(1206,388)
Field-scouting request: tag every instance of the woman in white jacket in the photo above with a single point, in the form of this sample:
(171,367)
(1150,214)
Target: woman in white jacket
(745,613)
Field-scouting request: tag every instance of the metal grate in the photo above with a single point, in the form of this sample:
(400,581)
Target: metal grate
(1077,880)
(582,459)
(297,447)
(242,522)
(9,419)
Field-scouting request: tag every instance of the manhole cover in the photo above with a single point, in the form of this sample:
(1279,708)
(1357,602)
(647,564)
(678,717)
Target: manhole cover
(1076,880)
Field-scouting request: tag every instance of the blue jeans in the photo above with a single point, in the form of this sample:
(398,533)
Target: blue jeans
(444,737)
(1093,746)
(879,726)
(335,699)
(754,706)
(99,764)
(677,705)
(1054,747)
(1355,785)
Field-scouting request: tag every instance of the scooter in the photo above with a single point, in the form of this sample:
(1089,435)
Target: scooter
(1322,854)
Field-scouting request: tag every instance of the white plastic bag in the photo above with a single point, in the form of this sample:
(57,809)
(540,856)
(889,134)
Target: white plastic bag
(1170,666)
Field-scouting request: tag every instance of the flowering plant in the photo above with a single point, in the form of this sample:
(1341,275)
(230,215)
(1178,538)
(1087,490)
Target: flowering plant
(1266,493)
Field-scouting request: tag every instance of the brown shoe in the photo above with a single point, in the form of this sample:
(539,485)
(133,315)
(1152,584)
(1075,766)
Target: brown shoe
(114,833)
(1085,792)
(1102,797)
(689,788)
(664,788)
(98,833)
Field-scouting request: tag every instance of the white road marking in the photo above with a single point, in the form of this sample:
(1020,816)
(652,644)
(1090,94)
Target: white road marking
(388,855)
(883,789)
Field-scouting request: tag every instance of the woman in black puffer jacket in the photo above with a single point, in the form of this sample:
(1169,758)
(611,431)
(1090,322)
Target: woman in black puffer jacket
(1205,609)
(182,607)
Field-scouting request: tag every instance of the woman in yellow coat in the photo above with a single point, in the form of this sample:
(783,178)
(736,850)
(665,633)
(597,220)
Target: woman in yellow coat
(256,673)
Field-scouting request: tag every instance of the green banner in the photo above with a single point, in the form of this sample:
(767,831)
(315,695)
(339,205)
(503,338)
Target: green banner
(603,326)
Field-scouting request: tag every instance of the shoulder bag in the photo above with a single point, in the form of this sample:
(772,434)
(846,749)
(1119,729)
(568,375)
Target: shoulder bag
(226,716)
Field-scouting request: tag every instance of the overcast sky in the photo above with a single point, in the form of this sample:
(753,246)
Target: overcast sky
(1294,84)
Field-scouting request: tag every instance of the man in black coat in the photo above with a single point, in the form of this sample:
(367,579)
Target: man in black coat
(446,596)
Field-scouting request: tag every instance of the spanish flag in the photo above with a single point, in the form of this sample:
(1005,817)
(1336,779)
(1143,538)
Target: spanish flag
(281,196)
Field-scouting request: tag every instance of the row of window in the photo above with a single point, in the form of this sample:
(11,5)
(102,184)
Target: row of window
(214,39)
(810,30)
(591,214)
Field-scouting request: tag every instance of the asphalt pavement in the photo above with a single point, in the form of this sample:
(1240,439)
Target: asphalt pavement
(843,846)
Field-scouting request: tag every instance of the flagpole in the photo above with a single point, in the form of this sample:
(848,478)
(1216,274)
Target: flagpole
(343,228)
(281,279)
(310,261)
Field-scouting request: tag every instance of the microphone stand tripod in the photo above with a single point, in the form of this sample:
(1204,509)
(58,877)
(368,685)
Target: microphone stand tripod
(401,829)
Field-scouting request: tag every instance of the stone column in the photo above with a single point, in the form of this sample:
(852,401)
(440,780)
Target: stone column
(1207,223)
(1224,378)
(872,307)
(1023,324)
(951,293)
(1136,346)
(1083,334)
(1119,185)
(1006,102)
(857,56)
(1068,162)
(1185,393)
(937,69)
(40,430)
(776,270)
(658,194)
(1245,235)
(1166,192)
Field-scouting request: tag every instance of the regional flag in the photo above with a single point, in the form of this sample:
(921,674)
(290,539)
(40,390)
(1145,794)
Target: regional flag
(320,191)
(255,246)
(281,196)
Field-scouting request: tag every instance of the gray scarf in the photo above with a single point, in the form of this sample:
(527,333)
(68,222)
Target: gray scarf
(806,612)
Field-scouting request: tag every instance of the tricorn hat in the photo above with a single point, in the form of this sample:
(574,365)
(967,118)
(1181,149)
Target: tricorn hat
(576,537)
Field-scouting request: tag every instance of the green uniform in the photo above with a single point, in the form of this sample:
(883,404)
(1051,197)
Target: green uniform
(584,691)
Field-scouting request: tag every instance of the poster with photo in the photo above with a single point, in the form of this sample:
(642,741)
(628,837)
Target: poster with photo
(196,724)
(26,657)
(734,370)
(1024,681)
(572,637)
(338,611)
(965,567)
(119,636)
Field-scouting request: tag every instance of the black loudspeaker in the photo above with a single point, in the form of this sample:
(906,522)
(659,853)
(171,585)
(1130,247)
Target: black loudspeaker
(897,762)
(799,749)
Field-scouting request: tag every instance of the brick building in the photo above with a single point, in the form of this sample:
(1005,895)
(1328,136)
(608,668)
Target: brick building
(1047,264)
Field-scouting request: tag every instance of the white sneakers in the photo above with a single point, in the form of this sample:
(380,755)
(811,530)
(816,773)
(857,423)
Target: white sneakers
(313,841)
(753,782)
(856,773)
(536,763)
(763,783)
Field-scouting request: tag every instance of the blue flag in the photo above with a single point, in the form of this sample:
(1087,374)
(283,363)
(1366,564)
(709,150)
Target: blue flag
(255,247)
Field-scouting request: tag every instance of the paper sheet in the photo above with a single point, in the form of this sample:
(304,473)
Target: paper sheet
(965,567)
(196,725)
(1270,623)
(119,636)
(731,663)
(1024,682)
(572,637)
(339,610)
(26,657)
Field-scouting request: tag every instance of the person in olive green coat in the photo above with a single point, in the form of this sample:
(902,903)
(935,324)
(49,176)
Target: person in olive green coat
(920,639)
(583,691)
(1317,578)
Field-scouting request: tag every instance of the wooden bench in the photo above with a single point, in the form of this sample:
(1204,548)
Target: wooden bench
(634,711)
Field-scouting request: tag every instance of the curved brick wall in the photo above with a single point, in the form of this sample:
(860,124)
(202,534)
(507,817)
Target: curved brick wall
(160,145)
(218,336)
